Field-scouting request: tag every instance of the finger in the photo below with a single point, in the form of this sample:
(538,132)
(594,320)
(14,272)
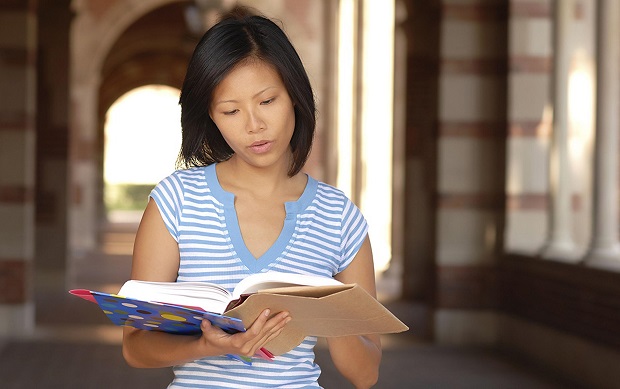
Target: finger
(264,342)
(259,323)
(273,332)
(214,335)
(246,341)
(277,322)
(273,324)
(262,327)
(205,325)
(269,338)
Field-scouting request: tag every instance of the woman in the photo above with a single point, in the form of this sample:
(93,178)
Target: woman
(241,205)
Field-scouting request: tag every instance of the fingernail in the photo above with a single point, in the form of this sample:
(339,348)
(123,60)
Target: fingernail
(267,312)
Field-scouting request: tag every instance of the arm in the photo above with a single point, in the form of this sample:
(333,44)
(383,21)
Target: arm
(156,258)
(358,357)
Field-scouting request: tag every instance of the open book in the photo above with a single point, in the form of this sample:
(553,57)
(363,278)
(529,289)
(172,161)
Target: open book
(212,297)
(318,306)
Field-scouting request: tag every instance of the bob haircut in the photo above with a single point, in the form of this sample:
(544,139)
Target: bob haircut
(236,38)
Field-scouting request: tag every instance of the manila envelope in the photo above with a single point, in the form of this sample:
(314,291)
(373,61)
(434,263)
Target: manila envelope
(323,311)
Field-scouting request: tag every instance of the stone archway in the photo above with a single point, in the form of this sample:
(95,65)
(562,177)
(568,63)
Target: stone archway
(154,50)
(96,28)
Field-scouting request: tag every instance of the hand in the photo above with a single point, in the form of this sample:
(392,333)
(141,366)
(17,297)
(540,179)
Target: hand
(246,343)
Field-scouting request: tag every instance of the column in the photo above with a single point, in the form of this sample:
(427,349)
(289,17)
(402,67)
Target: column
(343,153)
(375,159)
(604,247)
(470,175)
(559,243)
(17,164)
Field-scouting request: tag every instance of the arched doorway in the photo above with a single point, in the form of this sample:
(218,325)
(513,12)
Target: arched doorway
(127,45)
(142,137)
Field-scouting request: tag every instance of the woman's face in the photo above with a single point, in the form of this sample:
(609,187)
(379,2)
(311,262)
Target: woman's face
(255,114)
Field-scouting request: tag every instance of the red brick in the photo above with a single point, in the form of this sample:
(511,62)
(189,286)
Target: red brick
(13,278)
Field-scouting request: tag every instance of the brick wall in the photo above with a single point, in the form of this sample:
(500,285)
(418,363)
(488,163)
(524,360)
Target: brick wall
(17,156)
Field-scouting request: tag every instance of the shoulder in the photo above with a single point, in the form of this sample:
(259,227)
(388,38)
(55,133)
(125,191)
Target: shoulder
(188,175)
(330,194)
(333,201)
(178,185)
(184,178)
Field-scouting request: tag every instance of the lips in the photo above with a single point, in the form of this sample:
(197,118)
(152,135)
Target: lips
(261,146)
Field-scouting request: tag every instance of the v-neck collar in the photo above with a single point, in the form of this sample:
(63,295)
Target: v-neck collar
(293,208)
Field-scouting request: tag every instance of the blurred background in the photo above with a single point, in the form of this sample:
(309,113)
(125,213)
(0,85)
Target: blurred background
(479,138)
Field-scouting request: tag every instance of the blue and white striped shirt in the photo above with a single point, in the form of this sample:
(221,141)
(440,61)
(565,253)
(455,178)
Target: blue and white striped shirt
(323,231)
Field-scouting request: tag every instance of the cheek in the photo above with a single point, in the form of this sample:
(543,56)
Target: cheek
(291,119)
(227,135)
(223,128)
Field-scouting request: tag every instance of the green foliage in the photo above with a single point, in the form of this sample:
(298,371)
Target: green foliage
(127,197)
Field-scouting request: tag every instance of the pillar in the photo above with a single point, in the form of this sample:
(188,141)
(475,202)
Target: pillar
(559,243)
(17,164)
(604,246)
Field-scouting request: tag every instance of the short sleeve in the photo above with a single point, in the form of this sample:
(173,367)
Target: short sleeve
(168,195)
(354,230)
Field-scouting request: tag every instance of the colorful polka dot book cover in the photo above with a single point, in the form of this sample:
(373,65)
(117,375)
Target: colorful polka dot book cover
(146,315)
(154,316)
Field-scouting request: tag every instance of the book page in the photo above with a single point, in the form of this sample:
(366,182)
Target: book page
(207,296)
(270,280)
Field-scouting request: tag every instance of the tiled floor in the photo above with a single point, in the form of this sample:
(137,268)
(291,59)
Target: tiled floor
(57,363)
(75,347)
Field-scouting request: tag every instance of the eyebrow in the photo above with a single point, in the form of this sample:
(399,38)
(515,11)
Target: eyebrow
(235,101)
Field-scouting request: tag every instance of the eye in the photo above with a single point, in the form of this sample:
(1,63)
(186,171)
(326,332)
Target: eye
(231,112)
(268,101)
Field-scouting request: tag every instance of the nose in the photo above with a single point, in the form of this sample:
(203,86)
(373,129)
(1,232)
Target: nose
(255,122)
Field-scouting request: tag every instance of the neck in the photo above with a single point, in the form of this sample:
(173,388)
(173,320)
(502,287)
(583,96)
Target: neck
(266,181)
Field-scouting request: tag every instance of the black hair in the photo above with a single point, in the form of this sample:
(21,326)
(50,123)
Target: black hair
(235,38)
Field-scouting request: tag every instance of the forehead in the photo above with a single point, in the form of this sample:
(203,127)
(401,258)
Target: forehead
(247,76)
